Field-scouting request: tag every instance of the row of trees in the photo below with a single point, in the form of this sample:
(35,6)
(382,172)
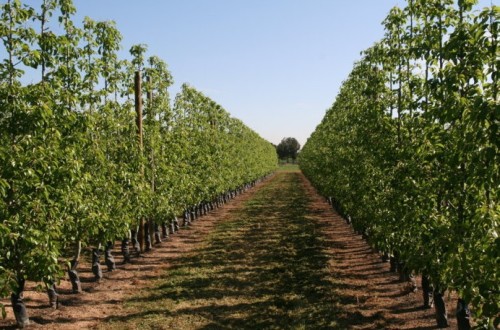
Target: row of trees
(85,159)
(410,151)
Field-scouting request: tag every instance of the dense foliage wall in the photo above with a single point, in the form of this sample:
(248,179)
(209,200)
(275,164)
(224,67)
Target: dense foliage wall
(74,171)
(410,148)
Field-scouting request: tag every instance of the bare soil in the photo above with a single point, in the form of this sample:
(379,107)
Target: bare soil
(275,257)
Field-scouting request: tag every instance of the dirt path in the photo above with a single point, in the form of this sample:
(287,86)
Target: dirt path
(276,257)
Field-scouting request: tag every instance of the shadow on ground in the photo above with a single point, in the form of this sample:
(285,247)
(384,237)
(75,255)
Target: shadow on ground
(264,267)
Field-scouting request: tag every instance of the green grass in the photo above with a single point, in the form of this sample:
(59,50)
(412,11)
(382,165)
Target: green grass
(264,268)
(289,168)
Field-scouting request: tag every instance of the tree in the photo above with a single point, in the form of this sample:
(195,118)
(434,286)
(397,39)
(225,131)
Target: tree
(288,148)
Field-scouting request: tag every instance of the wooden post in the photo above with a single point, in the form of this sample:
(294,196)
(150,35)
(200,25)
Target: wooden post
(138,110)
(151,118)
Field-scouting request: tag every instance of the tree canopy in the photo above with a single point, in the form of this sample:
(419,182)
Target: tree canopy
(288,148)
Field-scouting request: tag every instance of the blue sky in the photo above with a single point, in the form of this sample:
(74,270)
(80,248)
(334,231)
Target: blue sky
(275,64)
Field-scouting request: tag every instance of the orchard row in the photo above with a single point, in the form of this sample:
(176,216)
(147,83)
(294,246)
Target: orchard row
(91,148)
(409,151)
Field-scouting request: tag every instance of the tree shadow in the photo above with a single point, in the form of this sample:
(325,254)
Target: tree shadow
(266,267)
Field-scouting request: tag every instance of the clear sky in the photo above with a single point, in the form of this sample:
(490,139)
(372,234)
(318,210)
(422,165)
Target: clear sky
(275,64)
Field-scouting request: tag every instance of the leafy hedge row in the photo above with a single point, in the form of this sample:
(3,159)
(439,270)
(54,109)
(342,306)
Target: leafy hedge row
(73,172)
(410,148)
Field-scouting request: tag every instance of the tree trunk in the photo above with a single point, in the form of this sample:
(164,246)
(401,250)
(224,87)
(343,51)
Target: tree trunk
(185,218)
(176,224)
(394,262)
(427,292)
(96,265)
(440,309)
(135,241)
(164,230)
(52,293)
(72,273)
(140,235)
(463,315)
(125,250)
(76,285)
(157,233)
(147,236)
(19,307)
(403,273)
(348,219)
(192,214)
(108,257)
